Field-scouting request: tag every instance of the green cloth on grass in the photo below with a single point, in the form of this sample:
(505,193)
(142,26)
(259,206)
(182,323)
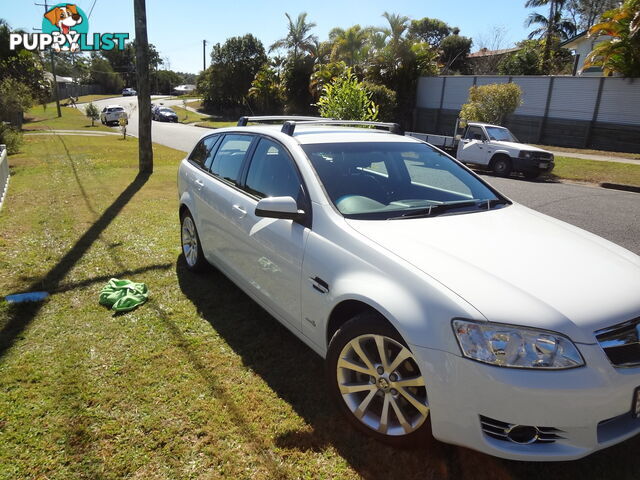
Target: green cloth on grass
(123,295)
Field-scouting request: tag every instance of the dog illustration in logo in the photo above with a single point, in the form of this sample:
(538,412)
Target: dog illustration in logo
(65,18)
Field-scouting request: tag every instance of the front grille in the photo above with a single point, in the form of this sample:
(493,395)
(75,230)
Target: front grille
(500,431)
(621,343)
(543,156)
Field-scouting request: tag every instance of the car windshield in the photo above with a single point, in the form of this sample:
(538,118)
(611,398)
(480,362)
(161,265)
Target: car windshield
(166,110)
(384,180)
(116,109)
(501,134)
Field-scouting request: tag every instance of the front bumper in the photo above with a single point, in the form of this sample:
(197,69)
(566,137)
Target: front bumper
(590,406)
(533,165)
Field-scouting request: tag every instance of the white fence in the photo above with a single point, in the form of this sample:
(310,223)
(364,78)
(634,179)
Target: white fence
(571,111)
(4,173)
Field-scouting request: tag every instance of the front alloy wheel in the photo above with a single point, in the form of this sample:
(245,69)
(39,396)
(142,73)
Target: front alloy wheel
(378,381)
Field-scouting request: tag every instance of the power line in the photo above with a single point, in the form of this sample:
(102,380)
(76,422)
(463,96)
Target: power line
(91,11)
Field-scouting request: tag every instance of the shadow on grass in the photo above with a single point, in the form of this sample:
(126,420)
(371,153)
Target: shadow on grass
(296,374)
(21,314)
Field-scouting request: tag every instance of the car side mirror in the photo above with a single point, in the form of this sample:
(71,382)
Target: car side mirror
(279,207)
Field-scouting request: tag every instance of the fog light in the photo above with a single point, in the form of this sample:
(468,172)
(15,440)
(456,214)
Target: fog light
(522,434)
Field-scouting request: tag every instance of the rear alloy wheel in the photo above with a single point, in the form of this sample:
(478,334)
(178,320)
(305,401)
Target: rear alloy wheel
(191,244)
(377,381)
(501,166)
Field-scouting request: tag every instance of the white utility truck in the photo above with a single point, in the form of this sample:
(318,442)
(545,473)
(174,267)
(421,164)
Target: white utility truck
(492,146)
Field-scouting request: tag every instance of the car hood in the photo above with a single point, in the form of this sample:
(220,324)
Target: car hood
(519,146)
(515,265)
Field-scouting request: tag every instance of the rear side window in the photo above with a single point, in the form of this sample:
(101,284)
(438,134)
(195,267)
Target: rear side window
(202,155)
(230,155)
(272,172)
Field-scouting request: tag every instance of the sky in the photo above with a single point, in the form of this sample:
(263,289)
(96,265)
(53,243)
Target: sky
(178,27)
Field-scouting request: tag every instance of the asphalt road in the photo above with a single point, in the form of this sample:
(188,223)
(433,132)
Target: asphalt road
(612,214)
(174,135)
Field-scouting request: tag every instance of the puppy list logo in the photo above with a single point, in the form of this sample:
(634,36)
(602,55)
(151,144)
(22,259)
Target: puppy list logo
(65,27)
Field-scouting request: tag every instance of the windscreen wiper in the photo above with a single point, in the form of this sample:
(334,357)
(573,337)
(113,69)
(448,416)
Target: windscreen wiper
(436,209)
(497,201)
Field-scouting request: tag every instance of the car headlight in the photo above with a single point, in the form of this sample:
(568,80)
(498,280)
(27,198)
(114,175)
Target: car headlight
(526,154)
(515,347)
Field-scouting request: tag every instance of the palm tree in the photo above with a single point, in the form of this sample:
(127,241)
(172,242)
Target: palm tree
(621,54)
(552,27)
(348,44)
(298,38)
(398,24)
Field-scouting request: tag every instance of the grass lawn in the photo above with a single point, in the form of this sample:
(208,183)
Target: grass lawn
(197,104)
(217,123)
(199,383)
(596,171)
(635,156)
(39,118)
(187,116)
(93,98)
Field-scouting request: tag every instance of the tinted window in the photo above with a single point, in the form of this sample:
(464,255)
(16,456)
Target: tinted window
(230,155)
(272,172)
(388,179)
(204,151)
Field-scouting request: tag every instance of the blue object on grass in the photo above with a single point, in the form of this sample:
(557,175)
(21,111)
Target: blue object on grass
(26,297)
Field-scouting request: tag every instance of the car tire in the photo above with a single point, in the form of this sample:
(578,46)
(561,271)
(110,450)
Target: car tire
(501,166)
(531,175)
(190,242)
(354,360)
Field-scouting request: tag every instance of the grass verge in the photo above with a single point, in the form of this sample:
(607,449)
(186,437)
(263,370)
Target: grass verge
(596,172)
(633,156)
(93,98)
(187,116)
(197,383)
(216,124)
(40,118)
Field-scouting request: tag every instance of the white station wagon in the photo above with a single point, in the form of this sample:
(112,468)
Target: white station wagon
(440,306)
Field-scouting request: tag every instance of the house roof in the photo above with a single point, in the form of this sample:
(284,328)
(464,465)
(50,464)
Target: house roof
(59,79)
(485,52)
(574,38)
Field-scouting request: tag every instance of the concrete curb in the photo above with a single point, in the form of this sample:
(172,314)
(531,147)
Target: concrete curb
(620,186)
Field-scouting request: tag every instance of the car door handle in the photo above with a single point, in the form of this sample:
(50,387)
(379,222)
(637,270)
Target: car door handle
(199,183)
(241,212)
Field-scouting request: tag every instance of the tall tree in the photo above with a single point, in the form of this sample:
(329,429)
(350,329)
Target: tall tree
(454,52)
(552,28)
(348,45)
(234,65)
(430,30)
(585,13)
(621,54)
(298,39)
(22,65)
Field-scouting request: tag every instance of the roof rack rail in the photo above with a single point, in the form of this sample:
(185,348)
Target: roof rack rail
(290,125)
(242,121)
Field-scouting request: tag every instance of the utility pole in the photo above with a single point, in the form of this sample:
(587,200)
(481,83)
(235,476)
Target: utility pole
(204,55)
(56,93)
(145,151)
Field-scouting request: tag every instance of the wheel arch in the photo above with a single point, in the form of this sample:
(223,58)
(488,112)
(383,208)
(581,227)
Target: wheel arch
(348,308)
(186,205)
(500,154)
